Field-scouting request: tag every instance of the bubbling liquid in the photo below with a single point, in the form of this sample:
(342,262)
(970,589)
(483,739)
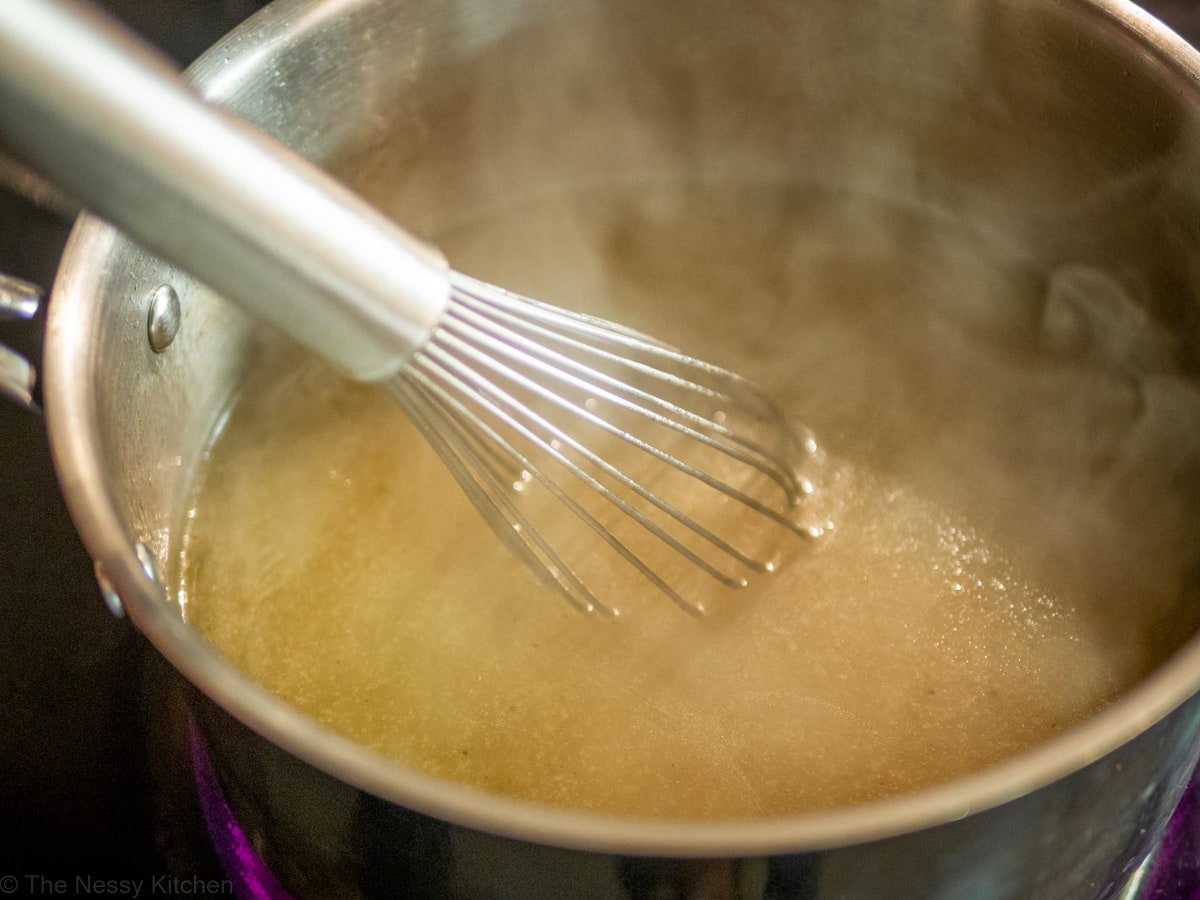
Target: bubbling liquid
(332,558)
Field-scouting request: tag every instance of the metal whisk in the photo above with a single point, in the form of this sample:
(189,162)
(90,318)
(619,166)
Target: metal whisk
(572,404)
(677,466)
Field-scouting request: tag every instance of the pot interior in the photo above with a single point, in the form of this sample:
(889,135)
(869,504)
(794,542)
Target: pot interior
(1043,348)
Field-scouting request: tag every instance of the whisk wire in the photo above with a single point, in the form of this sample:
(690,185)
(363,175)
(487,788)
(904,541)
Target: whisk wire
(512,393)
(429,366)
(465,456)
(538,355)
(537,388)
(522,313)
(558,438)
(624,394)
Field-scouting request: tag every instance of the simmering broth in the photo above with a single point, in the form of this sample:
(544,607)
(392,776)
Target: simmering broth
(978,595)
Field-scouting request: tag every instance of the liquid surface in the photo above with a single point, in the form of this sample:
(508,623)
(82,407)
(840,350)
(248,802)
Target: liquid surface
(972,601)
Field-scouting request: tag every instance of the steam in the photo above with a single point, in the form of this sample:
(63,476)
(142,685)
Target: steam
(938,242)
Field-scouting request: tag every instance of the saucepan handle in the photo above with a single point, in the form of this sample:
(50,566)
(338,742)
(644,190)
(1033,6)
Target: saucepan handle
(18,379)
(19,299)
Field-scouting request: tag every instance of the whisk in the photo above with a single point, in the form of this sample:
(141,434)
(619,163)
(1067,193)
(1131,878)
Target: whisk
(671,465)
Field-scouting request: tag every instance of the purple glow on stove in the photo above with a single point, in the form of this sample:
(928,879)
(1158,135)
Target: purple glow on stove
(1175,874)
(245,869)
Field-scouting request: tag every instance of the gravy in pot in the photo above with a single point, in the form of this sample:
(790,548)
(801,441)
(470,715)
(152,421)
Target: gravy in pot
(977,596)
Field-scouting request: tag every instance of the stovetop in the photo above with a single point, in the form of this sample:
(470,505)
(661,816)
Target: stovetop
(78,795)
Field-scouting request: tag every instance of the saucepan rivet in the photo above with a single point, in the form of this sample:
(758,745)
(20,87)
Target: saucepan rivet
(165,316)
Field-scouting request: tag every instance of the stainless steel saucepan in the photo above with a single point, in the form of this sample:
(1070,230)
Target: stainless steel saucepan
(1069,125)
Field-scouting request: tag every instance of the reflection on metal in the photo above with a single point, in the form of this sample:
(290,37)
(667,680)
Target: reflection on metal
(17,378)
(149,564)
(1133,889)
(18,300)
(108,591)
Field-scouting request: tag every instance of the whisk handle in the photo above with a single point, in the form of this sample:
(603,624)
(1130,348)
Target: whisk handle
(113,122)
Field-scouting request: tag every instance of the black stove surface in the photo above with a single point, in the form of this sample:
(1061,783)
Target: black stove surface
(76,799)
(81,810)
